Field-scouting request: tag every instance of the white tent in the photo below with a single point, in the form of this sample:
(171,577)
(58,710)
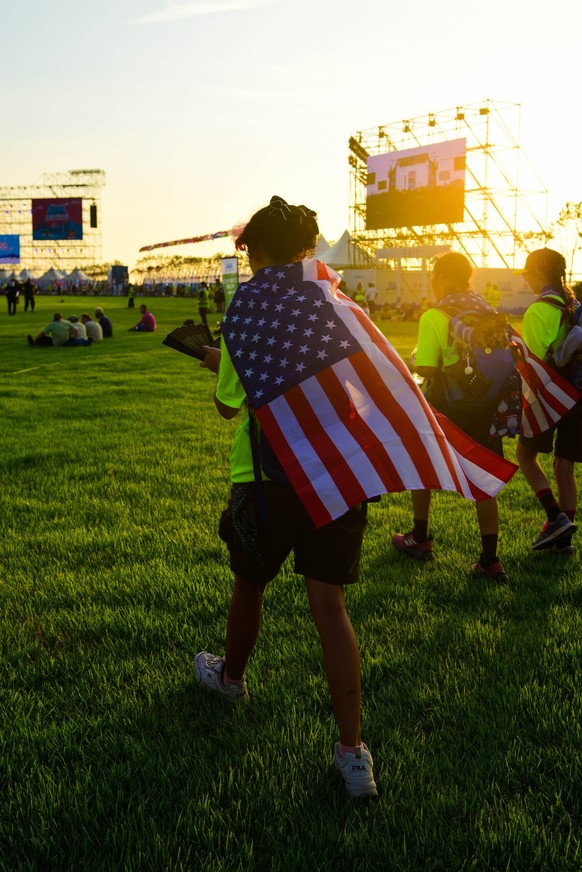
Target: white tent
(345,254)
(321,248)
(78,277)
(52,275)
(26,274)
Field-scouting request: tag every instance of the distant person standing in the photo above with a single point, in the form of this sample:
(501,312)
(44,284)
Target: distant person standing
(12,294)
(104,322)
(29,291)
(147,322)
(130,297)
(371,294)
(203,302)
(219,297)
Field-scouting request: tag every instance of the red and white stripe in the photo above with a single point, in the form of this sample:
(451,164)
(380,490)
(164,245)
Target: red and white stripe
(546,395)
(363,428)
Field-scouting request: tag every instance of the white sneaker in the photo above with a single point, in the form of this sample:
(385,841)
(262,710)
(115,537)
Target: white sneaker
(356,770)
(209,669)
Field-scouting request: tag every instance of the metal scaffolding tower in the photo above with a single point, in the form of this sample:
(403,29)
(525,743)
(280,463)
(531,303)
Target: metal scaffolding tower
(64,254)
(505,211)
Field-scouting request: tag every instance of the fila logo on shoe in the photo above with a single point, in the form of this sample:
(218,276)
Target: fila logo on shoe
(360,768)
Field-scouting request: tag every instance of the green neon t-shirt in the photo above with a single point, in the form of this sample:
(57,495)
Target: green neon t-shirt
(542,330)
(230,391)
(433,346)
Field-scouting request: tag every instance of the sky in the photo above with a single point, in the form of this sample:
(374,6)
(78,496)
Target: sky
(200,110)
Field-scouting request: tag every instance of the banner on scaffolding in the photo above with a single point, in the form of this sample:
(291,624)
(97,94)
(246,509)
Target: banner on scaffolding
(205,238)
(9,248)
(57,218)
(416,186)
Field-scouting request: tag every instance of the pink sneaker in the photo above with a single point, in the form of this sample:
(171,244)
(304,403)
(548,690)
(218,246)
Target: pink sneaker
(407,544)
(494,571)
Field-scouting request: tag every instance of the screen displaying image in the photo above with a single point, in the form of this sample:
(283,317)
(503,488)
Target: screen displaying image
(57,219)
(9,249)
(417,186)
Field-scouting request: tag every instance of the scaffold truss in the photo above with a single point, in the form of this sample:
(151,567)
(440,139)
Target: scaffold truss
(38,255)
(505,205)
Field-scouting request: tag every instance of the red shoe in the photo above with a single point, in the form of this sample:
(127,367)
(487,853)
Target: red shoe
(494,571)
(407,544)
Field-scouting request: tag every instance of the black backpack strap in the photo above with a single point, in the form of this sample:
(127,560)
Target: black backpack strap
(256,455)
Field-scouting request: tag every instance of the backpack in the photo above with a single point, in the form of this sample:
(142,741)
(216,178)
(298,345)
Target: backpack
(486,376)
(571,368)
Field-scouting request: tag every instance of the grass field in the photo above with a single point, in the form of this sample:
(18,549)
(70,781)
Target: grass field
(113,472)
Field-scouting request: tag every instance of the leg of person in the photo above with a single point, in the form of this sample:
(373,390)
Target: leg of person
(340,655)
(568,452)
(417,543)
(489,565)
(566,482)
(225,675)
(557,523)
(242,626)
(342,668)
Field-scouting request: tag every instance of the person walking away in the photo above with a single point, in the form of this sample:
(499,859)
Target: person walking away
(12,295)
(545,326)
(28,290)
(435,352)
(277,239)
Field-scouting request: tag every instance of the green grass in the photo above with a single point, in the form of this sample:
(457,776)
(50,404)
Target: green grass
(113,473)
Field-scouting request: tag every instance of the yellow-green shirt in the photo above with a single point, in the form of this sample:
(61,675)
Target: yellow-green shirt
(541,327)
(230,391)
(433,345)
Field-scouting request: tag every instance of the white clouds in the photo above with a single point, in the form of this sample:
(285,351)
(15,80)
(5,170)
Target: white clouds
(180,11)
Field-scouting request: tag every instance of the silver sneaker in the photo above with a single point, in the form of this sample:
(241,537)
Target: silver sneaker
(555,530)
(209,668)
(356,770)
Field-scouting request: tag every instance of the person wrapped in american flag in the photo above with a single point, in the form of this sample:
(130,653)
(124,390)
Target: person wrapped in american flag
(332,419)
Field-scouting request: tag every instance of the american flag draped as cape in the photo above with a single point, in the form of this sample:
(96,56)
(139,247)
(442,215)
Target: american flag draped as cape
(546,396)
(342,413)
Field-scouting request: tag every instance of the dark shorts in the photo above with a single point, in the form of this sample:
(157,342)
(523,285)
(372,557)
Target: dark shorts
(565,439)
(330,554)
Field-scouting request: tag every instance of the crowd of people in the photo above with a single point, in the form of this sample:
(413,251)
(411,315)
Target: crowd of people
(74,330)
(270,512)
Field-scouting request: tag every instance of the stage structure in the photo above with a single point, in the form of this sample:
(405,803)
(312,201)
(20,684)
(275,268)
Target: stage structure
(56,222)
(451,179)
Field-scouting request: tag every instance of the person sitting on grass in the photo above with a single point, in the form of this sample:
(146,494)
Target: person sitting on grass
(94,331)
(104,322)
(80,334)
(328,557)
(57,333)
(147,322)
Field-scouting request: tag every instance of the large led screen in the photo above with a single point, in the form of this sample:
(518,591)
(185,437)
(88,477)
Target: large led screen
(57,219)
(9,249)
(417,186)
